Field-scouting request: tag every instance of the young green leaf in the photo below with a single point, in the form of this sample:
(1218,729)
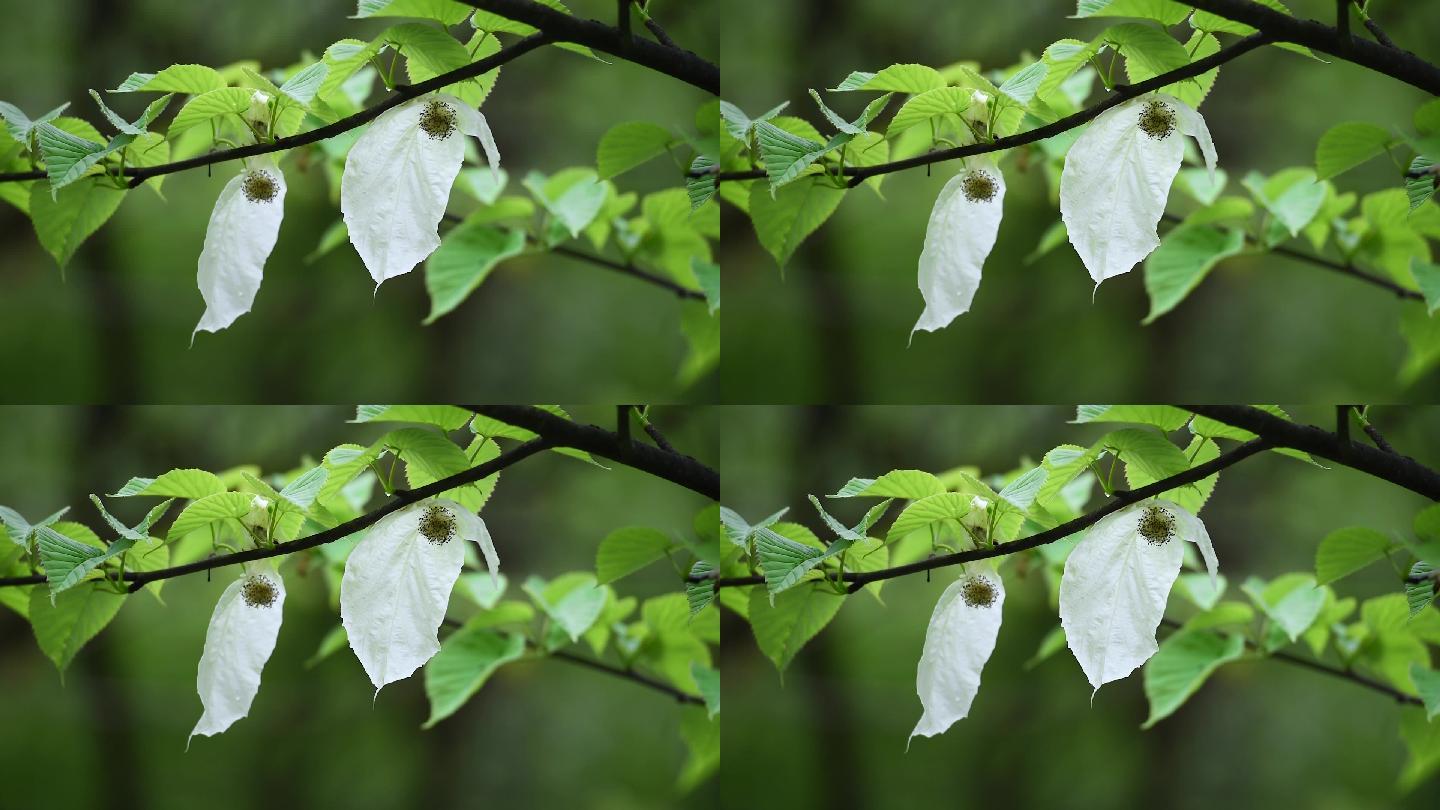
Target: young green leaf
(466,660)
(1182,665)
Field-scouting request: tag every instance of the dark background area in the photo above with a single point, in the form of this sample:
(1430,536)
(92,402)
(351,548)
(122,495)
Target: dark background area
(117,327)
(539,734)
(834,327)
(1258,734)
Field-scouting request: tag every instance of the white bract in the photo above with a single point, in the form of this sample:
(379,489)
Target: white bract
(241,637)
(398,176)
(961,233)
(958,642)
(397,584)
(1116,582)
(1117,177)
(242,232)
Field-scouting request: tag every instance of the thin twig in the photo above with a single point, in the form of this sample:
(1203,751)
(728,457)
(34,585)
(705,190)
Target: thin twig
(630,270)
(1374,434)
(629,675)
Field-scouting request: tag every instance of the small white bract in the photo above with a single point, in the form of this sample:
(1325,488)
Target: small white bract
(398,176)
(1116,583)
(959,640)
(1117,177)
(961,233)
(397,584)
(242,232)
(239,641)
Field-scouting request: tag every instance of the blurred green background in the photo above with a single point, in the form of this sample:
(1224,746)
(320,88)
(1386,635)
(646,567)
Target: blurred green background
(117,327)
(1258,734)
(834,327)
(541,734)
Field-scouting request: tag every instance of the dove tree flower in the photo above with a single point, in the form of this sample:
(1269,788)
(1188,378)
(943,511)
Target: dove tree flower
(398,176)
(241,637)
(1117,177)
(1116,582)
(242,232)
(397,584)
(961,233)
(958,641)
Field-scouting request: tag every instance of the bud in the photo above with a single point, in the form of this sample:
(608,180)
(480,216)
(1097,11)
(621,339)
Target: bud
(258,116)
(1157,525)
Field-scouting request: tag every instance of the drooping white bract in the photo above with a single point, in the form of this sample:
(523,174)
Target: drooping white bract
(961,233)
(398,176)
(397,584)
(1117,176)
(241,637)
(958,642)
(242,232)
(1116,582)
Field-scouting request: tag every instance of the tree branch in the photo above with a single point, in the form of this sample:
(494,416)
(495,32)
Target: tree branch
(561,27)
(1336,672)
(402,94)
(858,174)
(1402,471)
(1390,61)
(674,467)
(138,579)
(631,270)
(629,675)
(859,579)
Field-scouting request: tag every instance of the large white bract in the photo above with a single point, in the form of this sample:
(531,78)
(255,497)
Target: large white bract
(397,584)
(398,176)
(242,232)
(239,641)
(958,642)
(961,233)
(1117,580)
(1117,177)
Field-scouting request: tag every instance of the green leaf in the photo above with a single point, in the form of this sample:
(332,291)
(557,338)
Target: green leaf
(700,594)
(795,211)
(1345,146)
(66,561)
(625,146)
(77,615)
(1147,453)
(1199,590)
(708,679)
(138,127)
(782,629)
(67,157)
(141,530)
(1422,740)
(904,78)
(573,605)
(923,107)
(1181,666)
(465,258)
(625,551)
(930,510)
(1166,417)
(1293,196)
(786,156)
(573,197)
(1063,59)
(1167,12)
(1150,50)
(446,11)
(306,83)
(66,219)
(178,483)
(1420,593)
(208,105)
(19,125)
(1185,256)
(858,126)
(783,562)
(1427,683)
(306,487)
(908,484)
(740,125)
(1427,278)
(1421,187)
(1024,83)
(1026,487)
(204,511)
(189,79)
(1345,551)
(467,659)
(1292,602)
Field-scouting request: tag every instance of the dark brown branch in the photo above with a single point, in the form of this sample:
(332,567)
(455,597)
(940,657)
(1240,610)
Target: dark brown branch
(1342,20)
(561,27)
(560,432)
(1375,436)
(659,33)
(1390,61)
(1402,471)
(139,175)
(858,174)
(629,675)
(859,579)
(1379,34)
(1336,672)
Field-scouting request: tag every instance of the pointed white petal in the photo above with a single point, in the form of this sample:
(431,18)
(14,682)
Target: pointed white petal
(241,234)
(471,527)
(393,595)
(958,642)
(1112,595)
(1113,190)
(237,645)
(472,122)
(394,190)
(1189,527)
(1190,123)
(959,237)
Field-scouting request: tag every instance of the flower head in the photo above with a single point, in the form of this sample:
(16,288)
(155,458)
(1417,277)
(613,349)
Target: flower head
(437,524)
(1156,525)
(258,591)
(978,592)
